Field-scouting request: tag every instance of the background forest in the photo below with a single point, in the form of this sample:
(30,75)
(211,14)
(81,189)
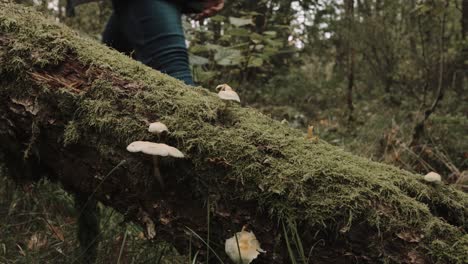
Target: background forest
(384,79)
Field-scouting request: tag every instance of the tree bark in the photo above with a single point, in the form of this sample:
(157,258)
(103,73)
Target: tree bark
(464,19)
(70,106)
(460,64)
(349,13)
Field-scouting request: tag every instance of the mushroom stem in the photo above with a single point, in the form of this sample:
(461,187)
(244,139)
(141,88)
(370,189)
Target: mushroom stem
(157,172)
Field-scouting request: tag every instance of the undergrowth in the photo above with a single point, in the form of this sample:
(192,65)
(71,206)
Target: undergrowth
(38,225)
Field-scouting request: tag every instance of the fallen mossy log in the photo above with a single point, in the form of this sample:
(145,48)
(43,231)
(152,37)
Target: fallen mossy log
(70,106)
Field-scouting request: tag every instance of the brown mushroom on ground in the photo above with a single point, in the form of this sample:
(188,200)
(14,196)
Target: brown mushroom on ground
(156,150)
(226,93)
(243,247)
(149,224)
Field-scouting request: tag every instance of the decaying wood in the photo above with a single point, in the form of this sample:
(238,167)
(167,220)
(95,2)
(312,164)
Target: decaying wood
(70,106)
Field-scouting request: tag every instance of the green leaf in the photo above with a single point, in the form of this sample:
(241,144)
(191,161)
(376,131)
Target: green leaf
(225,38)
(255,62)
(239,22)
(251,13)
(274,43)
(213,47)
(202,76)
(270,51)
(218,18)
(239,32)
(198,49)
(198,60)
(228,57)
(256,38)
(270,33)
(259,47)
(282,27)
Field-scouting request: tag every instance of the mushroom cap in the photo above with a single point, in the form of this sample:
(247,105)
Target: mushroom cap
(224,87)
(229,96)
(155,149)
(432,177)
(248,245)
(157,128)
(227,93)
(137,146)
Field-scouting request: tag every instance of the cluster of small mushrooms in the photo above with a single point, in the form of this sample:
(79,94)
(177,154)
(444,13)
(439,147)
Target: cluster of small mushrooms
(155,149)
(243,247)
(225,93)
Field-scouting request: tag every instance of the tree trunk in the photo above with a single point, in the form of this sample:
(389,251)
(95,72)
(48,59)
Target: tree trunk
(464,19)
(460,67)
(70,106)
(349,12)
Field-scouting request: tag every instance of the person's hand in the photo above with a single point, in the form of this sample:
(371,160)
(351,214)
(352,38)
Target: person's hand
(211,7)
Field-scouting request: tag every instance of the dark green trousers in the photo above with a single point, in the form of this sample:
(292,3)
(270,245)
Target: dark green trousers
(151,30)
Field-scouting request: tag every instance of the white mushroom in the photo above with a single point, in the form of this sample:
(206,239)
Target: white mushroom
(156,150)
(248,245)
(224,87)
(137,146)
(158,128)
(432,177)
(227,93)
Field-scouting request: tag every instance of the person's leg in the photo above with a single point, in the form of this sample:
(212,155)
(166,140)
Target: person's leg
(114,37)
(155,29)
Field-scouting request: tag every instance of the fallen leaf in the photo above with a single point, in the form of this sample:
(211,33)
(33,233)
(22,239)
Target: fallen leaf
(150,227)
(310,132)
(28,105)
(220,161)
(410,236)
(21,250)
(164,220)
(415,257)
(37,241)
(57,232)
